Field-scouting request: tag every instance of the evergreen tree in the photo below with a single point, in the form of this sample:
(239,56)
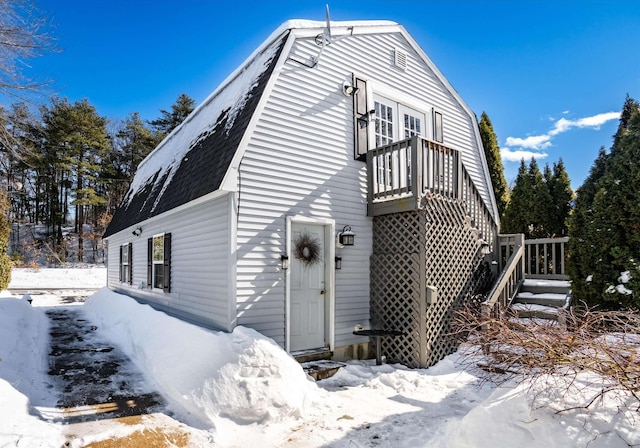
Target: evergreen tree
(561,200)
(607,271)
(541,203)
(5,229)
(516,217)
(131,143)
(78,137)
(494,162)
(168,121)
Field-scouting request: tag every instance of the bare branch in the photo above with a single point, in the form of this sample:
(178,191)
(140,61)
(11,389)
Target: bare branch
(604,345)
(24,34)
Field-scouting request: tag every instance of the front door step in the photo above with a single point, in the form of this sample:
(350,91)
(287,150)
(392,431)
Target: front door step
(313,354)
(320,370)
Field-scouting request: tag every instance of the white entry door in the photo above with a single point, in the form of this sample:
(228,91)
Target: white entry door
(307,299)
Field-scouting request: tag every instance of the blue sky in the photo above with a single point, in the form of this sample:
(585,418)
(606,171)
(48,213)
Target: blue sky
(551,75)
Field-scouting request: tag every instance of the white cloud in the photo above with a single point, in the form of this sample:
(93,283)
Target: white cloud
(516,147)
(531,142)
(509,155)
(563,125)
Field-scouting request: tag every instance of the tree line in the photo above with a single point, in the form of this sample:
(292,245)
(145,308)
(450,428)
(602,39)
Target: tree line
(602,218)
(539,202)
(66,164)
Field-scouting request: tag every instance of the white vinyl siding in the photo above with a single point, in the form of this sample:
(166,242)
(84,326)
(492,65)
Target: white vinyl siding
(202,263)
(299,162)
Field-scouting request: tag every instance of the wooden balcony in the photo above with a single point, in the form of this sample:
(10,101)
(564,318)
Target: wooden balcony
(403,173)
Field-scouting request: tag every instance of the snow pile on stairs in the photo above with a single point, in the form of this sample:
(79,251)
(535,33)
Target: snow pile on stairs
(243,376)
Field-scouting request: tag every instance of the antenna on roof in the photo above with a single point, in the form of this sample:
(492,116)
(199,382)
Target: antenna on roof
(323,39)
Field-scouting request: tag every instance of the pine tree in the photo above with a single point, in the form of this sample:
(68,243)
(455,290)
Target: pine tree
(604,231)
(5,229)
(168,121)
(79,135)
(131,143)
(541,204)
(516,217)
(494,162)
(561,200)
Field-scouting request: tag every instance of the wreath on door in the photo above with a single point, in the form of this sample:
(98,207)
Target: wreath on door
(307,249)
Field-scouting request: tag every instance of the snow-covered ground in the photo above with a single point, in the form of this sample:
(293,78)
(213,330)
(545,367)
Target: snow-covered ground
(242,390)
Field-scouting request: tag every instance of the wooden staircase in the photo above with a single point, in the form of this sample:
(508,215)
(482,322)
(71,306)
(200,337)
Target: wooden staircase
(542,298)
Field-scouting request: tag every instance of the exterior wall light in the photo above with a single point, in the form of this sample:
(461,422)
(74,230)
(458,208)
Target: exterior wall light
(349,90)
(284,262)
(137,231)
(346,237)
(338,263)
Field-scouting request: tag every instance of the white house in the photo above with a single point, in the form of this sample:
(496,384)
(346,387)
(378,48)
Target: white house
(237,217)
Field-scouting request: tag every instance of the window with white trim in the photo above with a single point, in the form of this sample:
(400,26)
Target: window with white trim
(394,122)
(125,270)
(159,262)
(389,128)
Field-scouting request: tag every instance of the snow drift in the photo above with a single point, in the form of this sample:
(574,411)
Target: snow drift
(245,377)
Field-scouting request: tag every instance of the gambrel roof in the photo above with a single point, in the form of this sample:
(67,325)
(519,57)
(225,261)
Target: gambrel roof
(196,158)
(193,160)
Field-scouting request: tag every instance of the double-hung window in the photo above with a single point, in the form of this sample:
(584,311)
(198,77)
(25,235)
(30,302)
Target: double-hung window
(159,262)
(126,264)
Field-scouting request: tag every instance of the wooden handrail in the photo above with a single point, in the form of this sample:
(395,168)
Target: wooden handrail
(545,258)
(510,278)
(405,171)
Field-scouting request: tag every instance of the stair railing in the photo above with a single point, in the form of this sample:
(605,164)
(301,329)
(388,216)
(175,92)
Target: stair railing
(511,277)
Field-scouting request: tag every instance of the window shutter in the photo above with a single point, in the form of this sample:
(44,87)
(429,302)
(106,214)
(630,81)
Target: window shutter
(361,119)
(130,266)
(149,262)
(120,266)
(438,134)
(167,263)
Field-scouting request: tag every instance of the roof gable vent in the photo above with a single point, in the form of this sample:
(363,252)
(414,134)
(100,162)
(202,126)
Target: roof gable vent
(400,59)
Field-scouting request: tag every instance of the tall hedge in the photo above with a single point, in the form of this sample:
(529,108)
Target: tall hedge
(604,231)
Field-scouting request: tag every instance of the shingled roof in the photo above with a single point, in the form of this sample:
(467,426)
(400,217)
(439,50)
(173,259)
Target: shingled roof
(193,160)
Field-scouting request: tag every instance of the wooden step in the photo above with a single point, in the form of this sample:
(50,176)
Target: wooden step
(545,299)
(543,286)
(320,370)
(314,354)
(524,310)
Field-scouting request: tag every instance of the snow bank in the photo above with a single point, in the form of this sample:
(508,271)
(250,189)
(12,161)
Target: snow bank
(513,420)
(23,349)
(50,278)
(242,376)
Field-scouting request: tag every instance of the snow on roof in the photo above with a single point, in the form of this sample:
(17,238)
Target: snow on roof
(170,175)
(164,161)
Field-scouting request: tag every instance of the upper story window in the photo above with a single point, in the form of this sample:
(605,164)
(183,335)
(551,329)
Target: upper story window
(380,120)
(395,121)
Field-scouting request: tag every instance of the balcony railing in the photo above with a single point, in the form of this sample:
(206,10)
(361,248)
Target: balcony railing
(401,173)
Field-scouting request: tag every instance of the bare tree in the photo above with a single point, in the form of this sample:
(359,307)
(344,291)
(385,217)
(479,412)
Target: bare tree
(24,34)
(605,345)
